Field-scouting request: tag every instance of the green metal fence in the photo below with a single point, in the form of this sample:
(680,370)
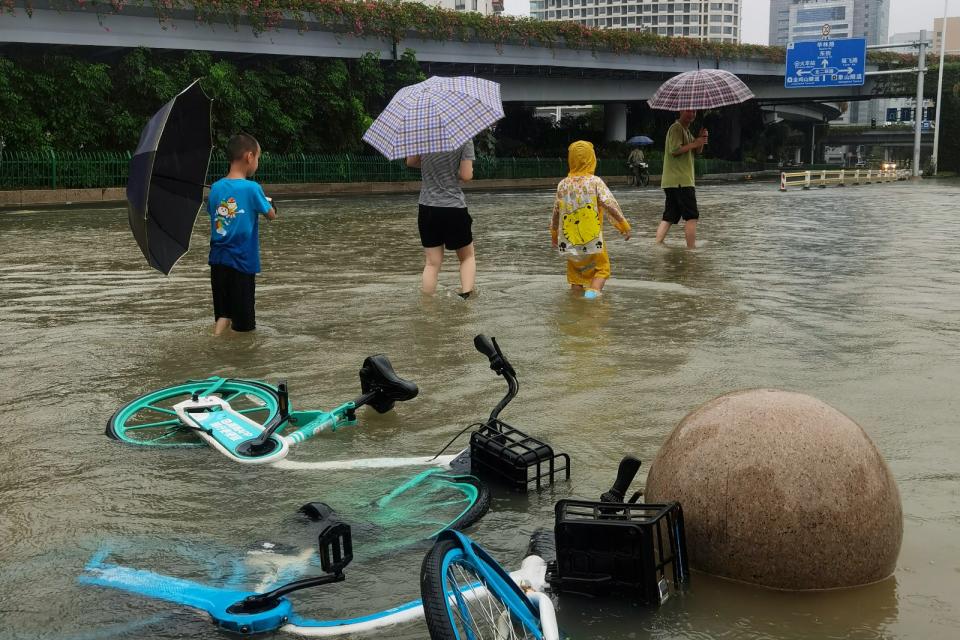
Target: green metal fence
(87,170)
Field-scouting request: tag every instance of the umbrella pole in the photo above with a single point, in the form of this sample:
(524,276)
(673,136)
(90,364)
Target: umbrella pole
(182,181)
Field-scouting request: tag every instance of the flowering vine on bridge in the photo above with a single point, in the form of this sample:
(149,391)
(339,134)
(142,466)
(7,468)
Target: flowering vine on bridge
(394,20)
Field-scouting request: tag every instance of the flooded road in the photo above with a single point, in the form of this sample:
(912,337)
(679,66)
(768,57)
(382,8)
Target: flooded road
(851,295)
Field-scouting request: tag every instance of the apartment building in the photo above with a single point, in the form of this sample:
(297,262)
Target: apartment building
(718,21)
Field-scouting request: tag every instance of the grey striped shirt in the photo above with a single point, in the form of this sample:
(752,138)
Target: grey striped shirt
(441,182)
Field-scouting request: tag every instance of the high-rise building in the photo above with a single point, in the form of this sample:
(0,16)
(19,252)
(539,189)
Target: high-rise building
(792,20)
(718,21)
(486,7)
(953,35)
(809,20)
(779,22)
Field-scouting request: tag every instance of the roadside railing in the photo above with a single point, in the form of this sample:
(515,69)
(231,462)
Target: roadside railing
(840,177)
(91,170)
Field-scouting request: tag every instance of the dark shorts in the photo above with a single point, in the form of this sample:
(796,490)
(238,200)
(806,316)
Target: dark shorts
(681,203)
(447,226)
(233,295)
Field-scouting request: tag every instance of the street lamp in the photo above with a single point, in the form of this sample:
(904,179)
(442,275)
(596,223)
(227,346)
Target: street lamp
(936,117)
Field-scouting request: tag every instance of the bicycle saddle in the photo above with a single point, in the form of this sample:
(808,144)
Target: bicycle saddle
(378,377)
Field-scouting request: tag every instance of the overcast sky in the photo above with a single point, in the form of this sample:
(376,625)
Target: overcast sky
(905,15)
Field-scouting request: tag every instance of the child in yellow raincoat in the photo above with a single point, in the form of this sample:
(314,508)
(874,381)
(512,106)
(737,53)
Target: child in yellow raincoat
(577,225)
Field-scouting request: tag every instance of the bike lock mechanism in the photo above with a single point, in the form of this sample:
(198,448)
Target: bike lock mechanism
(262,444)
(336,552)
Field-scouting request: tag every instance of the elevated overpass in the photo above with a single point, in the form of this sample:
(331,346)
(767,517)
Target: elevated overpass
(533,75)
(529,74)
(877,137)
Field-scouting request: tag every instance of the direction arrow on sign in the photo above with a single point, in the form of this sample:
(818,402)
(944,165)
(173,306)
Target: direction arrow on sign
(825,63)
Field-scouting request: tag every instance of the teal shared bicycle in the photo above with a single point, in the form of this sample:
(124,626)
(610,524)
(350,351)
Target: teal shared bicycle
(248,421)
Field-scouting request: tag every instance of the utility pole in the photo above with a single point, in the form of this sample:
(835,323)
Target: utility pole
(936,118)
(920,69)
(918,117)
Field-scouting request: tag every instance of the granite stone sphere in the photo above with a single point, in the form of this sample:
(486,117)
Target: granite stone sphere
(781,490)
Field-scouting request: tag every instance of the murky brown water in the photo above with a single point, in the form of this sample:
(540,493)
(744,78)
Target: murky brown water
(851,295)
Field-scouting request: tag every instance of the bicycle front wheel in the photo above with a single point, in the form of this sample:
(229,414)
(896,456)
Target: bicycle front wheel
(462,601)
(151,420)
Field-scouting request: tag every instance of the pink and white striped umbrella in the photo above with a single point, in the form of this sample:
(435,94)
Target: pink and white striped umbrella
(438,114)
(702,89)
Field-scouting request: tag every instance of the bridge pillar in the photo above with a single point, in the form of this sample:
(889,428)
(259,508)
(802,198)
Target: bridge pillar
(735,134)
(615,121)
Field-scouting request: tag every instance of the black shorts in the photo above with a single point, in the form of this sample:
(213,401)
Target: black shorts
(681,203)
(447,226)
(233,296)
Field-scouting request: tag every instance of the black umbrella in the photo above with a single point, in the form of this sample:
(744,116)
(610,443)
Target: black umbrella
(167,174)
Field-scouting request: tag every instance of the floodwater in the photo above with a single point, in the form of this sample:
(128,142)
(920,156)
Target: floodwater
(851,295)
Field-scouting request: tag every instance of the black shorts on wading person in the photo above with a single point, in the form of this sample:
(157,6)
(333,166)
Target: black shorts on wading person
(681,202)
(451,227)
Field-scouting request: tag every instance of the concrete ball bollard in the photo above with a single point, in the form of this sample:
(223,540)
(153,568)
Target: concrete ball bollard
(782,490)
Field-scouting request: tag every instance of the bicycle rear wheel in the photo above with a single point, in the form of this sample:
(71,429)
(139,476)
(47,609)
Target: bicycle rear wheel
(151,421)
(467,596)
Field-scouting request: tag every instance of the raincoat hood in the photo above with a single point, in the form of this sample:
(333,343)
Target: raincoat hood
(582,159)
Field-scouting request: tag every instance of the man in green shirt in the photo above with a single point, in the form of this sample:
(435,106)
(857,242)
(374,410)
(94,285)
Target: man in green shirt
(677,179)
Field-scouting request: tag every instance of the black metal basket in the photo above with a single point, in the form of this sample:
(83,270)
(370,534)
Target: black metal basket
(637,549)
(507,455)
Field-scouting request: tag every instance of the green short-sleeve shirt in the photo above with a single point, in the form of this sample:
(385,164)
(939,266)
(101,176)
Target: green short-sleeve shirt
(677,170)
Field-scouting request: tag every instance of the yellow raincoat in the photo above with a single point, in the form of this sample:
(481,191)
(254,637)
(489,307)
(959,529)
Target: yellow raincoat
(577,224)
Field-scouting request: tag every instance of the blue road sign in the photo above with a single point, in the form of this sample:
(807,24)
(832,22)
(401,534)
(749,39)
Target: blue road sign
(892,114)
(825,63)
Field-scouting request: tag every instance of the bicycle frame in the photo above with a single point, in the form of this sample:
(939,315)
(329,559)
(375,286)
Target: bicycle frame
(227,431)
(216,601)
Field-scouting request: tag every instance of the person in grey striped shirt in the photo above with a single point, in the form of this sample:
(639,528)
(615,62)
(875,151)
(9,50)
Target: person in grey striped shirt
(443,219)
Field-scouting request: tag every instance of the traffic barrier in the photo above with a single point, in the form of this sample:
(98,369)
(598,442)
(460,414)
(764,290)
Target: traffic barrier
(840,177)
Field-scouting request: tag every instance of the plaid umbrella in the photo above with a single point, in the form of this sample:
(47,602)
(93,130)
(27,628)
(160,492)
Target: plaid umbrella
(703,89)
(438,114)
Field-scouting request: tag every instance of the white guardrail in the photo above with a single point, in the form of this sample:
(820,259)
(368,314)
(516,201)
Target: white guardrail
(840,177)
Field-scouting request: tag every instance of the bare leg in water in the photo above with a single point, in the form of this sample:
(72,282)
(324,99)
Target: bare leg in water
(468,269)
(662,231)
(690,232)
(431,269)
(222,325)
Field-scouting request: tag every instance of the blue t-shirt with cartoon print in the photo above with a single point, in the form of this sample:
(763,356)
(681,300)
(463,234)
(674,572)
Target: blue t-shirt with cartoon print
(235,207)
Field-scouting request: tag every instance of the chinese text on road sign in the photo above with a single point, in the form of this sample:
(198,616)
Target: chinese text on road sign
(825,63)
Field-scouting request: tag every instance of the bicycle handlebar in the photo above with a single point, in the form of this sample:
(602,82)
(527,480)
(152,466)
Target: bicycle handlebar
(501,366)
(625,475)
(485,346)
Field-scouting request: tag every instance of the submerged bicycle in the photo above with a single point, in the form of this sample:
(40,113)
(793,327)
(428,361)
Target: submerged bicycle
(499,605)
(253,422)
(220,412)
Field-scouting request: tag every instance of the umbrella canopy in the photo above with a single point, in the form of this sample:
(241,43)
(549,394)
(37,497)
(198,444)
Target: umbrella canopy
(438,114)
(703,89)
(167,174)
(639,141)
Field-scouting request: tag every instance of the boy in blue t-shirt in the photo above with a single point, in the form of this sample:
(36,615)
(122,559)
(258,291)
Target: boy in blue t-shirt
(235,205)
